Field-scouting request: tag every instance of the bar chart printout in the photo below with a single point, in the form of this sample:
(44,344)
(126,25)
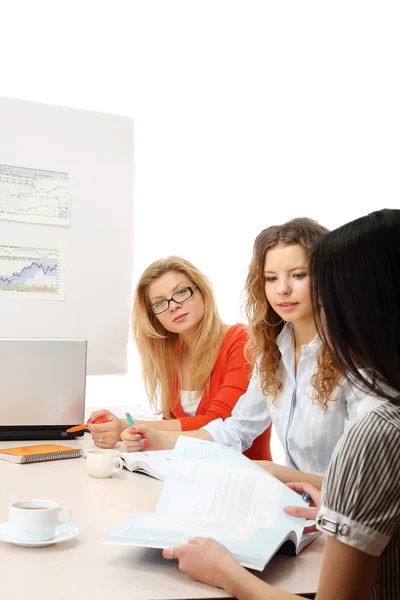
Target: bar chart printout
(31,272)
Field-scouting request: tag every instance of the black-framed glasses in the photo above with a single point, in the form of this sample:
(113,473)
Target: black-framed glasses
(179,297)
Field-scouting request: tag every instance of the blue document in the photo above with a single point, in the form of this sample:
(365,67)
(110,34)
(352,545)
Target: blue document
(213,491)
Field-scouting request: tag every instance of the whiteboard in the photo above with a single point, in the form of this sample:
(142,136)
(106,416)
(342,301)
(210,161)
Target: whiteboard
(95,249)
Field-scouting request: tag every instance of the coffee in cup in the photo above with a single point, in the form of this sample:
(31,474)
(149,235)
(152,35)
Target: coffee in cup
(36,520)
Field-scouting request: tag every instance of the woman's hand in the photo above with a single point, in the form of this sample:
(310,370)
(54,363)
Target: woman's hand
(140,437)
(105,435)
(205,560)
(309,513)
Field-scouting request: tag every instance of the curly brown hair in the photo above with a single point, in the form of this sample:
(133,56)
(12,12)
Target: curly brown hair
(262,343)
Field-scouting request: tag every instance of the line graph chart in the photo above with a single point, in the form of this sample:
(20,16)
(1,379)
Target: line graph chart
(34,196)
(33,272)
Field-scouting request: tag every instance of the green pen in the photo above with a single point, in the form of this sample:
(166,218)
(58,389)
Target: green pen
(131,423)
(129,419)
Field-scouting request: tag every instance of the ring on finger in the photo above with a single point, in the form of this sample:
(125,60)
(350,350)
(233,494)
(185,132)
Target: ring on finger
(100,439)
(172,553)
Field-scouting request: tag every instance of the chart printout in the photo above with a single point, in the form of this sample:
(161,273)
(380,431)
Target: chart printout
(31,272)
(34,196)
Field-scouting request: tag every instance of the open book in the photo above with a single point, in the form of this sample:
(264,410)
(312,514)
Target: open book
(213,491)
(154,463)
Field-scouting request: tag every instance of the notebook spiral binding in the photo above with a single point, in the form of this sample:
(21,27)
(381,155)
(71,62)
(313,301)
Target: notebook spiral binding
(53,456)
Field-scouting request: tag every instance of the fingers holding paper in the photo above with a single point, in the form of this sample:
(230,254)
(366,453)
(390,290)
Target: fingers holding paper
(140,437)
(203,559)
(307,488)
(310,512)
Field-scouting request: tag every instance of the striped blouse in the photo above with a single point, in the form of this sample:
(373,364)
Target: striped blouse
(307,433)
(361,494)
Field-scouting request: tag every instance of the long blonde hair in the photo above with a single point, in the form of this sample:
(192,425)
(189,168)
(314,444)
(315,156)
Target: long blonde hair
(262,343)
(160,350)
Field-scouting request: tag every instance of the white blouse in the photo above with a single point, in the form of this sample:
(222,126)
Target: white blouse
(307,433)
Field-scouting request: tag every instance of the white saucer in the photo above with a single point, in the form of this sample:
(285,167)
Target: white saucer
(63,533)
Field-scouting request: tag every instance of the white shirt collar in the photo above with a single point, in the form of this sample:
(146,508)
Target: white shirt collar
(285,342)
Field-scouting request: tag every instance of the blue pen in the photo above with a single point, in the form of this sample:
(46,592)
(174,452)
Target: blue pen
(306,497)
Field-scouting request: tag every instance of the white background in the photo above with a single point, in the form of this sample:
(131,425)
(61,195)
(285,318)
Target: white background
(246,114)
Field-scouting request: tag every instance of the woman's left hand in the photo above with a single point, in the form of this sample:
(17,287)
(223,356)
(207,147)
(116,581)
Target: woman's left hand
(140,437)
(309,512)
(205,560)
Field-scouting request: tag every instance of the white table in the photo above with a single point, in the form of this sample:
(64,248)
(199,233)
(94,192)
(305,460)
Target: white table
(85,567)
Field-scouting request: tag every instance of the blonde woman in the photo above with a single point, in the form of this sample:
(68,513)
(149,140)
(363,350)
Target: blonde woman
(294,385)
(194,366)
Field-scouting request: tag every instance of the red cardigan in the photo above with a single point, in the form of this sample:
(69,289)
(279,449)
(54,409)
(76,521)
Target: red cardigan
(228,381)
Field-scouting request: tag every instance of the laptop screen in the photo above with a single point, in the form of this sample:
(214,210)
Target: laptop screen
(42,382)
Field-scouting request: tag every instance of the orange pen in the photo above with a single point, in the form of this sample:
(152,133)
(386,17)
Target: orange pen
(84,425)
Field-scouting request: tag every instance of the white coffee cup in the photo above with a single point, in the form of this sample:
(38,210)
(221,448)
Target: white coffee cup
(35,520)
(103,463)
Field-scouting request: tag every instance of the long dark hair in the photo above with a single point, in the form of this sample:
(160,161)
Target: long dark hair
(355,289)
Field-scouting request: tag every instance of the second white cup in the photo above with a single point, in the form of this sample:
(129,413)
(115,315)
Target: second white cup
(103,463)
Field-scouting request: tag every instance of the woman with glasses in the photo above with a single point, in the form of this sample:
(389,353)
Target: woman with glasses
(355,274)
(194,366)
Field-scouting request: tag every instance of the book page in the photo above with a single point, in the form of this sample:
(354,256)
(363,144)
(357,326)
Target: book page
(153,462)
(211,482)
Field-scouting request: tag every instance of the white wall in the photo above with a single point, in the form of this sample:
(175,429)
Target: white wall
(96,152)
(246,114)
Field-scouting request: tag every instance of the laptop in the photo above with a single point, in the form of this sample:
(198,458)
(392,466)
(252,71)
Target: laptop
(42,388)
